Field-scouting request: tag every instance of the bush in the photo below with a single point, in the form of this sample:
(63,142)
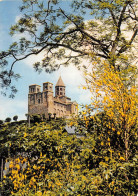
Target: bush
(1,122)
(8,119)
(15,118)
(45,160)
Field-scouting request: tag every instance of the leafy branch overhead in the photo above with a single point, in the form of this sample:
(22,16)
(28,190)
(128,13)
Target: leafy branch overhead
(65,37)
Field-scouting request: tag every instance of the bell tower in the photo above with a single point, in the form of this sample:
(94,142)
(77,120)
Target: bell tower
(60,88)
(48,96)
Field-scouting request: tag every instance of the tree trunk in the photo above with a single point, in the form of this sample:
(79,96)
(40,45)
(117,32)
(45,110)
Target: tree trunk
(126,146)
(1,169)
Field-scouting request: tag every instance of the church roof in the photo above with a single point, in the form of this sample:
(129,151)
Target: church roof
(60,82)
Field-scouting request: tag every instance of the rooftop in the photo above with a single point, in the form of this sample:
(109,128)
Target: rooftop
(60,82)
(34,85)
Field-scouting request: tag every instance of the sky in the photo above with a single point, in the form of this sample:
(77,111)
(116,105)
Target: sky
(73,78)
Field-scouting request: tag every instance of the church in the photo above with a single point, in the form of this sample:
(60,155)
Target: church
(45,102)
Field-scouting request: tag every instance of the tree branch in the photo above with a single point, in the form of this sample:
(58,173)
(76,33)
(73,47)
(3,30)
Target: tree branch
(124,48)
(118,28)
(113,16)
(103,46)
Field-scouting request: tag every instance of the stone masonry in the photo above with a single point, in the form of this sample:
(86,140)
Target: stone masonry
(44,102)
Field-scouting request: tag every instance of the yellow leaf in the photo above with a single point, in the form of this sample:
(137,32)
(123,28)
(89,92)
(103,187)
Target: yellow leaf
(122,158)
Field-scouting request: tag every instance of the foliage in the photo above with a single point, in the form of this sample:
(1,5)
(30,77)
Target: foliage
(15,118)
(66,37)
(115,95)
(49,115)
(44,160)
(36,118)
(8,119)
(54,115)
(1,122)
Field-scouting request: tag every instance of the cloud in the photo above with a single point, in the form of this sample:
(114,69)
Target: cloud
(33,59)
(72,77)
(17,36)
(12,107)
(18,17)
(85,97)
(74,81)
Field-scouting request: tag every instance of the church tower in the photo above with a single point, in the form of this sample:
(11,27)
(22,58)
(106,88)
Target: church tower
(43,102)
(48,96)
(60,88)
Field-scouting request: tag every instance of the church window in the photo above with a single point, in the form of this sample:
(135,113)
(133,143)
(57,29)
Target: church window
(61,89)
(60,93)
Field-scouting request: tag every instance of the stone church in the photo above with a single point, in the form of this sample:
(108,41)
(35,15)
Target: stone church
(45,102)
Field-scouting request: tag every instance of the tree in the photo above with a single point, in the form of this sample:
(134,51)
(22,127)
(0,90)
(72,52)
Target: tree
(68,38)
(1,122)
(54,115)
(15,118)
(49,115)
(36,118)
(114,93)
(8,119)
(42,160)
(43,117)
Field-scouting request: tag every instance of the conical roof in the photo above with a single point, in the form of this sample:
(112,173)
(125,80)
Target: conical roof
(60,82)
